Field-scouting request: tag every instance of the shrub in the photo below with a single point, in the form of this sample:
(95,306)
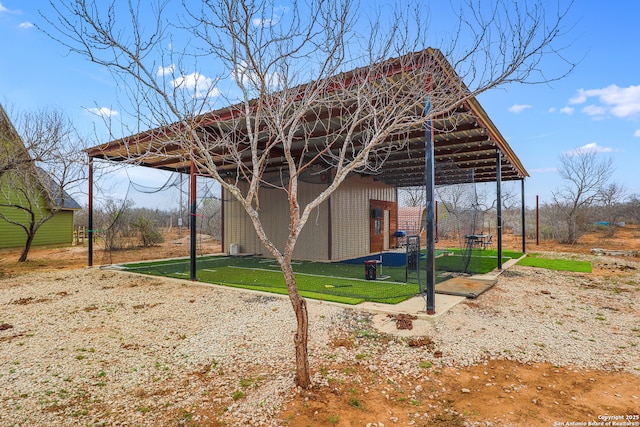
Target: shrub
(149,234)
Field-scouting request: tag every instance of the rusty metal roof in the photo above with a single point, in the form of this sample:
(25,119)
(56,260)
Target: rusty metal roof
(465,143)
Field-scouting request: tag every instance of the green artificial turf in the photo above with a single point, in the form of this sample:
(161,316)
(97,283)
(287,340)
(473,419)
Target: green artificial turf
(329,281)
(534,260)
(335,282)
(482,261)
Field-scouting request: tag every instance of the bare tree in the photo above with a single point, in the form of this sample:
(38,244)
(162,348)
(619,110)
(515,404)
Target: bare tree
(487,200)
(585,176)
(265,56)
(610,206)
(39,183)
(16,152)
(632,211)
(412,196)
(114,219)
(211,212)
(551,218)
(460,202)
(12,151)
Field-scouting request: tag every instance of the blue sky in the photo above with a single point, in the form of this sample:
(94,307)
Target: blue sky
(598,105)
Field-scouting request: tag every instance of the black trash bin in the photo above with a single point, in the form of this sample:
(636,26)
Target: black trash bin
(370,269)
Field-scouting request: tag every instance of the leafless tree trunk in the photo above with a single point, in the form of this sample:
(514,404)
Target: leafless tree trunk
(585,176)
(282,70)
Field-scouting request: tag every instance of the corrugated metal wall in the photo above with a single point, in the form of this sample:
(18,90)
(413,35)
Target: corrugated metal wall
(351,216)
(238,229)
(350,220)
(274,214)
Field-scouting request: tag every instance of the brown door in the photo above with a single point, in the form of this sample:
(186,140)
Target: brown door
(382,223)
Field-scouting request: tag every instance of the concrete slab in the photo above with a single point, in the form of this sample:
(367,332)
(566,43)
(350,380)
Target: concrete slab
(415,306)
(469,287)
(384,321)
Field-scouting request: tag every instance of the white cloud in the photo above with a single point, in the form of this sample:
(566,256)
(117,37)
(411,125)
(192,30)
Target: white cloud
(26,25)
(637,133)
(274,19)
(595,111)
(592,147)
(580,98)
(519,108)
(567,110)
(623,102)
(201,86)
(163,71)
(4,9)
(103,112)
(544,170)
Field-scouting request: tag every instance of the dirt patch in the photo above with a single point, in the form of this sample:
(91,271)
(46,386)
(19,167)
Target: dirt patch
(28,300)
(342,342)
(403,321)
(421,342)
(497,392)
(47,258)
(145,306)
(10,337)
(615,266)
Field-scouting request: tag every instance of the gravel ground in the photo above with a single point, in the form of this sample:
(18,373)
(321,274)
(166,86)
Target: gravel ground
(534,315)
(128,345)
(94,347)
(537,315)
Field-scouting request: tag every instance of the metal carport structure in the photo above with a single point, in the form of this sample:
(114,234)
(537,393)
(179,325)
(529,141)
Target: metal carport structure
(464,138)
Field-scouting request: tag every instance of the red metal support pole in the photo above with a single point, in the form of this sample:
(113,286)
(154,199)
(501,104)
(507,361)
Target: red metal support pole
(499,205)
(537,223)
(90,214)
(523,213)
(222,229)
